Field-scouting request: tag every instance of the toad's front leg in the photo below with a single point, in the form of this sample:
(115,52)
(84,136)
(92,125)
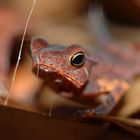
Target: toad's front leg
(107,101)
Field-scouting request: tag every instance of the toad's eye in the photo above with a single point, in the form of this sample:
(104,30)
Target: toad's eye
(78,59)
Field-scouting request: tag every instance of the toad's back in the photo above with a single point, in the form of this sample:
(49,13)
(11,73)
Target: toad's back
(117,61)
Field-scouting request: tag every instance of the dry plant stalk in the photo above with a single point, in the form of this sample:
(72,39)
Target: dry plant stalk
(20,51)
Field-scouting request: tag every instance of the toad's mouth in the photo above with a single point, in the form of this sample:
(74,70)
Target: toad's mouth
(48,72)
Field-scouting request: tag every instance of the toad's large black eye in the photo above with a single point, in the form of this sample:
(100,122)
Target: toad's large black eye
(78,59)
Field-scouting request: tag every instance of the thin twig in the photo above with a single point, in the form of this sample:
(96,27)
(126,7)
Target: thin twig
(20,51)
(37,73)
(50,109)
